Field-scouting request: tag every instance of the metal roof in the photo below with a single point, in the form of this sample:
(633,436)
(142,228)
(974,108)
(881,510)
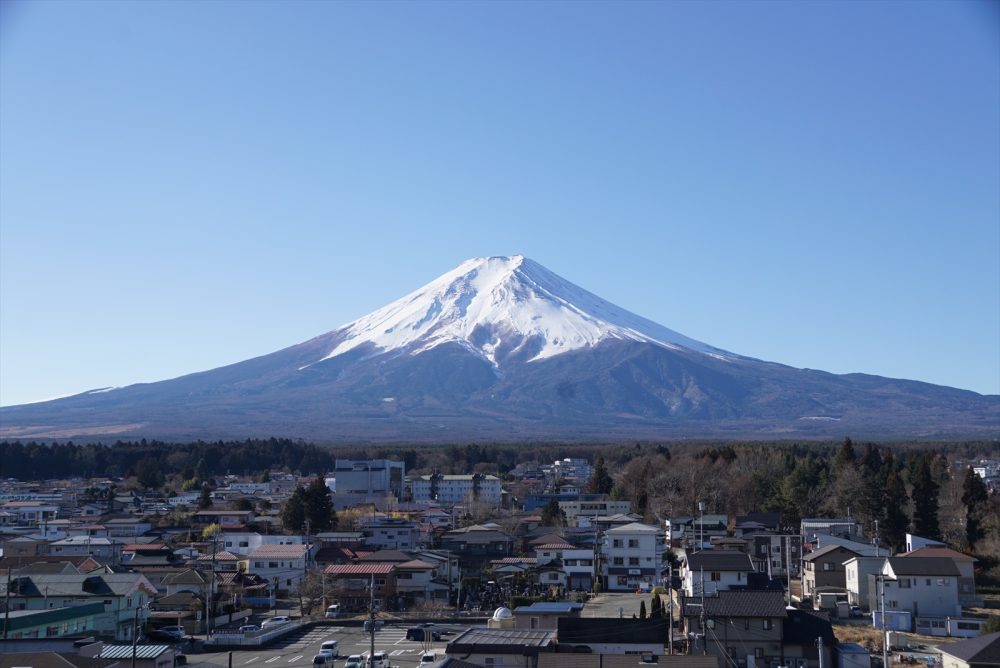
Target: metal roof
(125,651)
(360,569)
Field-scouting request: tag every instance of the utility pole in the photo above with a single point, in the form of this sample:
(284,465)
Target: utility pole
(209,604)
(885,633)
(6,606)
(670,606)
(819,643)
(371,618)
(135,633)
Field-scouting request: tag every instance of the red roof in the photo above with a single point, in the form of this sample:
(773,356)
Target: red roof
(360,569)
(945,552)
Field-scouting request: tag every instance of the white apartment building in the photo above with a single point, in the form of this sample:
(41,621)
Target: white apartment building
(452,489)
(592,506)
(631,555)
(245,543)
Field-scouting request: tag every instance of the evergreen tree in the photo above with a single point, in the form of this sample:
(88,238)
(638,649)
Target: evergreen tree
(895,521)
(642,609)
(925,500)
(845,456)
(319,506)
(600,479)
(205,500)
(655,607)
(552,514)
(975,498)
(149,473)
(293,515)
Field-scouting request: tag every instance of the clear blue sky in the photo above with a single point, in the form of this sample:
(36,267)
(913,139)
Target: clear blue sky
(189,184)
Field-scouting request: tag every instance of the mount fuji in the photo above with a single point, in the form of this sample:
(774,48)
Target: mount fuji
(501,348)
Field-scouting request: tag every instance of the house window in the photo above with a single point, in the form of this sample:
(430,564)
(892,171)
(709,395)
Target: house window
(828,567)
(618,561)
(928,582)
(633,561)
(553,576)
(768,625)
(272,564)
(904,583)
(777,549)
(758,652)
(716,576)
(746,624)
(633,542)
(776,563)
(616,542)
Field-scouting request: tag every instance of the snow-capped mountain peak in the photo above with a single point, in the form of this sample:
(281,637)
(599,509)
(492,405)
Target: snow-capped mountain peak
(502,308)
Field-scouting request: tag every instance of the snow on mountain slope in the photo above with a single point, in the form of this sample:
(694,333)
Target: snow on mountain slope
(503,306)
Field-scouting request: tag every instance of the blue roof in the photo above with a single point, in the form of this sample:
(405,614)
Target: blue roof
(565,608)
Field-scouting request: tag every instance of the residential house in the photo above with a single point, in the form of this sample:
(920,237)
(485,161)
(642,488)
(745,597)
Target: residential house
(356,585)
(563,565)
(777,553)
(245,542)
(924,587)
(476,546)
(688,531)
(754,629)
(632,556)
(966,575)
(856,572)
(711,571)
(844,527)
(104,549)
(824,572)
(981,652)
(224,518)
(284,565)
(124,597)
(417,582)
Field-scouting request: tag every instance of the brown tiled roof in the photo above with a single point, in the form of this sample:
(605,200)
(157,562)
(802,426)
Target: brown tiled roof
(373,568)
(946,552)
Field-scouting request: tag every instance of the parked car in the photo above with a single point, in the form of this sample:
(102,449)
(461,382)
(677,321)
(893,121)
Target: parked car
(427,657)
(419,633)
(271,622)
(377,625)
(333,611)
(247,628)
(378,660)
(167,633)
(355,661)
(321,660)
(329,647)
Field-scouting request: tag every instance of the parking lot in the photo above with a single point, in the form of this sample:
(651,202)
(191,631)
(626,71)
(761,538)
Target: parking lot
(298,649)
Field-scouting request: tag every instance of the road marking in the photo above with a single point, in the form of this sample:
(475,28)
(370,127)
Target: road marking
(397,652)
(271,660)
(295,658)
(251,660)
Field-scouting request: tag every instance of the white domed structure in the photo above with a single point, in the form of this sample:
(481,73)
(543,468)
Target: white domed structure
(502,618)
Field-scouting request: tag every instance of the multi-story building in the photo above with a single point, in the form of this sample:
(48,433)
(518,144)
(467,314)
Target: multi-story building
(389,533)
(356,585)
(572,468)
(591,505)
(564,565)
(244,543)
(922,586)
(776,553)
(452,489)
(124,596)
(367,481)
(632,556)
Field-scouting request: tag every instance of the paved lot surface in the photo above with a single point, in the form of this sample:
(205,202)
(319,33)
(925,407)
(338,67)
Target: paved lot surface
(610,605)
(298,649)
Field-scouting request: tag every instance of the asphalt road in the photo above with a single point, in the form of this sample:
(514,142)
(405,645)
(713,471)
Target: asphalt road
(297,650)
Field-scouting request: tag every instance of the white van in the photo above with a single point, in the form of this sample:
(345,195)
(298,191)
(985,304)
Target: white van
(333,611)
(329,648)
(274,621)
(378,660)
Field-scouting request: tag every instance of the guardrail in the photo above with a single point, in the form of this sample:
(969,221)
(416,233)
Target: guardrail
(259,638)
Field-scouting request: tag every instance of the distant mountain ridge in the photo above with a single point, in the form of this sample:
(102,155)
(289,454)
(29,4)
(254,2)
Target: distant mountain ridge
(501,348)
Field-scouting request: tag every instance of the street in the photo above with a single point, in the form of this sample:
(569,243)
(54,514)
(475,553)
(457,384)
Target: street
(298,649)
